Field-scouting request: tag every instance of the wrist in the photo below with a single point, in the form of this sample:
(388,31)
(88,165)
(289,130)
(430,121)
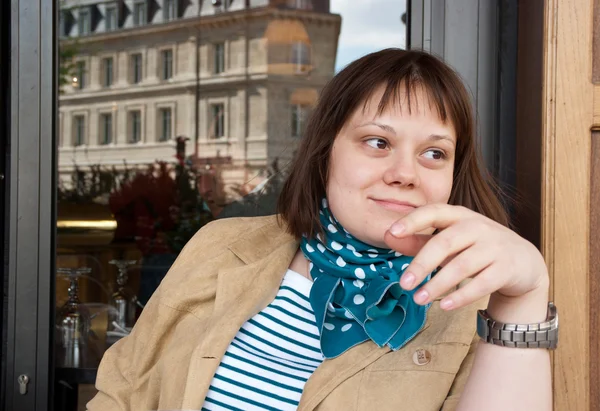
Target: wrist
(528,308)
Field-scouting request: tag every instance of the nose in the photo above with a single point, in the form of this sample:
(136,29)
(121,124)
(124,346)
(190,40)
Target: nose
(402,172)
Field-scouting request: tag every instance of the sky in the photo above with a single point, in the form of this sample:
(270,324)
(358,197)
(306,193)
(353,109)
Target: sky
(368,25)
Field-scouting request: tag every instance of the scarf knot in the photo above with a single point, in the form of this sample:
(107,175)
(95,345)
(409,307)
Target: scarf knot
(356,294)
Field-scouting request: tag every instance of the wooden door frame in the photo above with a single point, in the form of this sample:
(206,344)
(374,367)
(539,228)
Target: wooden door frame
(567,118)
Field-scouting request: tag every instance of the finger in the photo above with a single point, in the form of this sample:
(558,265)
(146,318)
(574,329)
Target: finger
(469,263)
(451,241)
(410,245)
(484,284)
(430,216)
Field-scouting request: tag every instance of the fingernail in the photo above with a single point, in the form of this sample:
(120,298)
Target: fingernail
(397,229)
(407,280)
(421,296)
(446,304)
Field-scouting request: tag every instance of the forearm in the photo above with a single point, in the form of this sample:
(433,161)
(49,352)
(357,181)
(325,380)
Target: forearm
(504,378)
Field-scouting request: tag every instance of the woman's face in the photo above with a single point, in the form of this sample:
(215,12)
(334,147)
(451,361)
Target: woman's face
(384,166)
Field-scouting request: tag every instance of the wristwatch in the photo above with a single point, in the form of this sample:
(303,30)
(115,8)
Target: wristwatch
(540,335)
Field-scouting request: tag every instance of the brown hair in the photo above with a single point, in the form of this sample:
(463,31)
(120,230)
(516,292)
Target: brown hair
(396,69)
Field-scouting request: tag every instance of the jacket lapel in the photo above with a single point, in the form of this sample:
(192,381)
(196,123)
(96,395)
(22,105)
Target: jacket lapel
(241,293)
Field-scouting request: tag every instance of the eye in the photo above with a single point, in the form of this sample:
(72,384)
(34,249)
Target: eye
(435,154)
(377,143)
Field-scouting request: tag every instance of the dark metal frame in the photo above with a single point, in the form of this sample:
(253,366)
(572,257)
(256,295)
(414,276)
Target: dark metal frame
(31,188)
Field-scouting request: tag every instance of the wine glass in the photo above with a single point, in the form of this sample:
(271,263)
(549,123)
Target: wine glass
(124,300)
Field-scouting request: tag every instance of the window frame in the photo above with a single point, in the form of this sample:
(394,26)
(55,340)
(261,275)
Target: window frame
(299,114)
(107,73)
(217,128)
(161,119)
(113,8)
(81,70)
(88,14)
(133,78)
(137,6)
(219,57)
(102,128)
(166,15)
(131,128)
(163,60)
(77,139)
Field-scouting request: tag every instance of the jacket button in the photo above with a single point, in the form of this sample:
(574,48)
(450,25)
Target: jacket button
(421,357)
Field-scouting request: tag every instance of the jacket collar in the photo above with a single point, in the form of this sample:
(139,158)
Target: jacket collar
(244,291)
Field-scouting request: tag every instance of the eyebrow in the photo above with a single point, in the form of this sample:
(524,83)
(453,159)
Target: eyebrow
(390,129)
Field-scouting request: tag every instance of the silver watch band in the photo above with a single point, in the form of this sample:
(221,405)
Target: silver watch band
(540,335)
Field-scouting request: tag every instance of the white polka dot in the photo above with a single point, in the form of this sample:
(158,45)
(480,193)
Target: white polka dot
(346,231)
(331,220)
(324,203)
(372,266)
(309,248)
(390,264)
(330,315)
(320,212)
(351,248)
(332,228)
(329,326)
(348,314)
(320,270)
(310,266)
(404,266)
(336,246)
(346,327)
(360,273)
(358,283)
(359,299)
(372,253)
(321,247)
(330,307)
(340,261)
(319,237)
(397,254)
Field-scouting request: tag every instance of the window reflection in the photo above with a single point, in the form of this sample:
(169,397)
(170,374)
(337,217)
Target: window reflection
(172,114)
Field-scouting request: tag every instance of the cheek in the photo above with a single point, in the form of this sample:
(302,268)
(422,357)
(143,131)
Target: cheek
(438,189)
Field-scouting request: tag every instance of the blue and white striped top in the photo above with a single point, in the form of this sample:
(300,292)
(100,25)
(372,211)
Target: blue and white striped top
(272,356)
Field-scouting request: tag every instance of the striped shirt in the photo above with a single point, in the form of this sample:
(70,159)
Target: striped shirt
(272,356)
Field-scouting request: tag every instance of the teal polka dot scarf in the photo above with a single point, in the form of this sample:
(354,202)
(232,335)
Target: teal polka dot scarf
(356,295)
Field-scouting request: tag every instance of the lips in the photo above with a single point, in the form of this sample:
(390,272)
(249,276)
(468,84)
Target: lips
(394,205)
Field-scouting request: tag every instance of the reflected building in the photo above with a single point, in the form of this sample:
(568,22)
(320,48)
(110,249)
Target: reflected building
(236,78)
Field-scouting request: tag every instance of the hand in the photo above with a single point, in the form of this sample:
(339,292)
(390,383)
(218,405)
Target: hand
(467,245)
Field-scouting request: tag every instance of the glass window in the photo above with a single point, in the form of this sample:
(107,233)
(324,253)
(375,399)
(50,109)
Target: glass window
(300,57)
(167,64)
(107,72)
(220,132)
(85,21)
(105,128)
(299,115)
(136,68)
(219,55)
(111,18)
(135,126)
(218,120)
(139,13)
(78,130)
(170,10)
(165,124)
(80,79)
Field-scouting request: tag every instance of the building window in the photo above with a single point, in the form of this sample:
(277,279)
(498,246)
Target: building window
(107,72)
(301,57)
(78,131)
(111,18)
(136,68)
(165,116)
(135,126)
(139,13)
(105,128)
(167,64)
(79,81)
(170,10)
(219,51)
(85,21)
(299,116)
(218,120)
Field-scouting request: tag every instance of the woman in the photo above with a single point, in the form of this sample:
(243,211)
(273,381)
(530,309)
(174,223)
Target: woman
(322,308)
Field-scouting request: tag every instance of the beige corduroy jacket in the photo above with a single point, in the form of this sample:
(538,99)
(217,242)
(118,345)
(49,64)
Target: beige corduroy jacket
(226,274)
